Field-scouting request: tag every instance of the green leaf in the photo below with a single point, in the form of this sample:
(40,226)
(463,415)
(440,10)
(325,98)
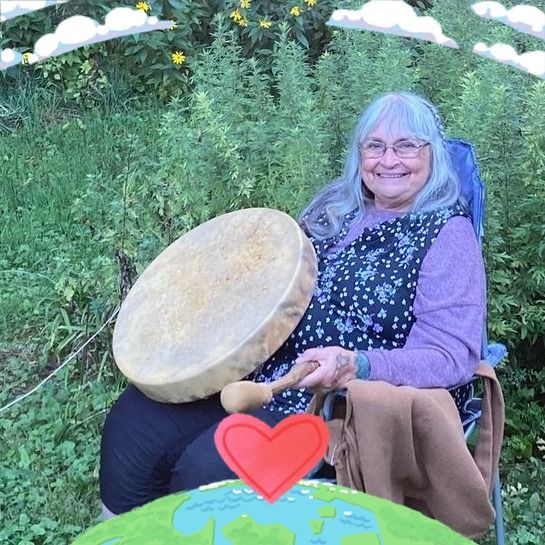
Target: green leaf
(68,293)
(24,459)
(535,501)
(301,38)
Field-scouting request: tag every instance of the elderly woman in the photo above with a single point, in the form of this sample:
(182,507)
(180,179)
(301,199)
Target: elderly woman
(400,297)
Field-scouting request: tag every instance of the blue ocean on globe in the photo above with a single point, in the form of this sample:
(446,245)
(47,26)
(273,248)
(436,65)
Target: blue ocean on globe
(294,510)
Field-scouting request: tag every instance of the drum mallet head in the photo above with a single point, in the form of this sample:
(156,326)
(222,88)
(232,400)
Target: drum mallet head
(245,396)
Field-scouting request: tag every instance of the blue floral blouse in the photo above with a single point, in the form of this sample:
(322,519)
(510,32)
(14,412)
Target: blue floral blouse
(363,295)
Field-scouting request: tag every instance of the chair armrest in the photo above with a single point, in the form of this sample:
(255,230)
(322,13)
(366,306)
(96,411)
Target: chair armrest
(495,353)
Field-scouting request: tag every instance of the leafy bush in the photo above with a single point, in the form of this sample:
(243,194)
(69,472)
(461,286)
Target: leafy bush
(258,22)
(150,63)
(523,500)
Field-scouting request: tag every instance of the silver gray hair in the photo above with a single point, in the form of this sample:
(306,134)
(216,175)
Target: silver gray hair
(401,112)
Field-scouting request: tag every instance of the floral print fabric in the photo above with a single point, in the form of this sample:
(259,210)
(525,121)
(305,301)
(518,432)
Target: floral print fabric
(363,296)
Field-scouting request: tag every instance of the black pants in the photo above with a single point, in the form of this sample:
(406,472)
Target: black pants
(151,449)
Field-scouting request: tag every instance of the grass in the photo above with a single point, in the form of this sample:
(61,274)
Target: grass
(48,491)
(61,217)
(58,283)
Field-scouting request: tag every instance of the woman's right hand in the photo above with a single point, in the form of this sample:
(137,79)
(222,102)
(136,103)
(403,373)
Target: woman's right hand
(336,368)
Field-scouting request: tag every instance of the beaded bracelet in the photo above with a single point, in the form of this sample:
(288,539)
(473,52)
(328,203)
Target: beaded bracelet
(363,365)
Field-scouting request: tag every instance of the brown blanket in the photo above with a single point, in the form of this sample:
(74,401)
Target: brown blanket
(407,445)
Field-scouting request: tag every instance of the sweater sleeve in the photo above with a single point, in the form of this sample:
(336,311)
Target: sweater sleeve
(444,345)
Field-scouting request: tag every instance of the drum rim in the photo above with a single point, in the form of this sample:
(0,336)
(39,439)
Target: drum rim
(306,251)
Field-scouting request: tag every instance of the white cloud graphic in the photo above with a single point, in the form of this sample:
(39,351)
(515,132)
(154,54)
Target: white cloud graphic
(13,8)
(532,62)
(392,17)
(79,30)
(527,19)
(9,57)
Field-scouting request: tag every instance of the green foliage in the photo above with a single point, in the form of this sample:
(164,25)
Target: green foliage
(524,501)
(527,229)
(146,60)
(142,62)
(49,458)
(78,74)
(231,144)
(259,21)
(297,136)
(523,388)
(64,189)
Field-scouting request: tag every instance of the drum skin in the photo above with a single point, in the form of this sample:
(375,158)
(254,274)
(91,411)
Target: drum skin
(215,304)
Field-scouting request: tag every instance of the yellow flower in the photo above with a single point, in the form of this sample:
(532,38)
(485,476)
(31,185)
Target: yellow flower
(26,57)
(143,6)
(243,21)
(245,3)
(174,26)
(295,11)
(310,3)
(236,16)
(178,57)
(265,23)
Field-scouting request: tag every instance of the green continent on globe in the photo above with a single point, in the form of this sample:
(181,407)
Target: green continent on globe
(316,526)
(327,512)
(398,524)
(151,524)
(245,530)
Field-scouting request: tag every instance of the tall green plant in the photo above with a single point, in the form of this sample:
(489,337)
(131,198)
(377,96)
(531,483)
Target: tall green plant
(527,229)
(298,136)
(205,169)
(442,69)
(343,80)
(488,113)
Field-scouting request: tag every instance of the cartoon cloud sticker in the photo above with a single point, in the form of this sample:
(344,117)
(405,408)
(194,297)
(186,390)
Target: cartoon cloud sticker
(532,62)
(392,17)
(527,19)
(79,30)
(13,8)
(9,57)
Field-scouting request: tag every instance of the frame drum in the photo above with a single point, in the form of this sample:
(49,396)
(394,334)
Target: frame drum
(215,304)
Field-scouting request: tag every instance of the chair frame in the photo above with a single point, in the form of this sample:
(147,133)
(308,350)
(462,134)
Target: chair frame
(465,163)
(495,354)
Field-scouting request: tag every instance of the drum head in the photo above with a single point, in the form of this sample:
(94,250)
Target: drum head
(215,304)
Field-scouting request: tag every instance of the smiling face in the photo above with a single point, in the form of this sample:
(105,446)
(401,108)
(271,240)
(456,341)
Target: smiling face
(394,181)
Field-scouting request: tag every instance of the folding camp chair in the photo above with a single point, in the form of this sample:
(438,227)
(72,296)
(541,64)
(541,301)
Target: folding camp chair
(465,163)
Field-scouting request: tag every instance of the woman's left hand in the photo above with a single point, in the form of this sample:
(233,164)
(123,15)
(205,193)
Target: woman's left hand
(337,367)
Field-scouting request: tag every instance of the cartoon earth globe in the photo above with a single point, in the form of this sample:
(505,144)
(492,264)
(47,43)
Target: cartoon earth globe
(310,513)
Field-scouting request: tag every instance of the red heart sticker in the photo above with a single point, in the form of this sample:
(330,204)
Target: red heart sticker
(271,460)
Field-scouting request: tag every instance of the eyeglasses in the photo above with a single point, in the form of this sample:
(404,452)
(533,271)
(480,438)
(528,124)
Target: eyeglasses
(404,149)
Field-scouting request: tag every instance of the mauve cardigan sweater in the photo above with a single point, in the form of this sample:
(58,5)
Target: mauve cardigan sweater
(444,345)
